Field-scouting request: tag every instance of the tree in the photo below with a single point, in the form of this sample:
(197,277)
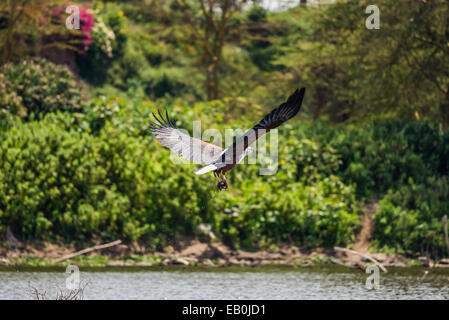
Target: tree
(355,73)
(210,28)
(11,15)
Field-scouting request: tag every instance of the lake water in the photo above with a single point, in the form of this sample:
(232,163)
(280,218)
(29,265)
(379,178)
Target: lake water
(232,283)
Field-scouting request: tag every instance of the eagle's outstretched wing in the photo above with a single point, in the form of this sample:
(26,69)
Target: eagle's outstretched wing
(274,119)
(191,149)
(284,112)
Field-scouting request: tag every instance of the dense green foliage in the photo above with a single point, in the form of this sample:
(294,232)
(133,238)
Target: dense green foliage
(373,126)
(66,180)
(38,87)
(410,218)
(400,69)
(409,163)
(60,181)
(387,154)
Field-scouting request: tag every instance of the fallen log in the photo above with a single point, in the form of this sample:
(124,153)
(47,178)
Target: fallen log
(87,250)
(377,263)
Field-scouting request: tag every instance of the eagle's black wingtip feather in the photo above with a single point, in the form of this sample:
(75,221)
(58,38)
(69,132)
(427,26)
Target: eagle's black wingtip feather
(165,121)
(301,94)
(172,124)
(302,91)
(168,119)
(160,121)
(293,104)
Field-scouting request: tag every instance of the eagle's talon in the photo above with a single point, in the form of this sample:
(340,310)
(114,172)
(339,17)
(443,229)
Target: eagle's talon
(222,185)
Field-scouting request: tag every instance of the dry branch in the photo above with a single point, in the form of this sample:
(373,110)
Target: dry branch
(377,263)
(74,294)
(98,247)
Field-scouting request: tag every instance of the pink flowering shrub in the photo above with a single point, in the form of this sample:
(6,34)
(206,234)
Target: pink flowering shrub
(94,33)
(86,23)
(99,44)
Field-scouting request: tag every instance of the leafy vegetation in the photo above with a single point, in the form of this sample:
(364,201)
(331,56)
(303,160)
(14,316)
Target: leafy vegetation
(60,181)
(36,87)
(410,218)
(374,123)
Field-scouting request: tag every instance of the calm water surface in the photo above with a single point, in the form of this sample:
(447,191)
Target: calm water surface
(264,283)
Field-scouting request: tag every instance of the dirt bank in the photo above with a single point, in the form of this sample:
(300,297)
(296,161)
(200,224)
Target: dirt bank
(196,253)
(208,253)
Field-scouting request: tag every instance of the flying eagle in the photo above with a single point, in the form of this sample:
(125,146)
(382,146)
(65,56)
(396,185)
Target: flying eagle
(215,158)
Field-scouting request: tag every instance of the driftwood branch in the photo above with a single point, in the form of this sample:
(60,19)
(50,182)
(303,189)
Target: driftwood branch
(99,247)
(377,263)
(446,238)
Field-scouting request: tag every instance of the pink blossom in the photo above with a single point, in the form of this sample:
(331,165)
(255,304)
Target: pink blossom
(86,23)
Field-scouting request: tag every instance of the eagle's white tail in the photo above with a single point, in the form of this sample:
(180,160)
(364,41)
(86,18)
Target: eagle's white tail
(218,165)
(209,167)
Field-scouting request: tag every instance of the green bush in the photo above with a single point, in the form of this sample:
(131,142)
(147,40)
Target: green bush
(128,67)
(38,87)
(386,154)
(58,181)
(322,214)
(95,62)
(61,183)
(72,177)
(118,23)
(410,218)
(159,82)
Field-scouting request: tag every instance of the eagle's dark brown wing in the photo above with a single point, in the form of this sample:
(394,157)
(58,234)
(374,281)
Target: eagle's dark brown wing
(274,119)
(284,112)
(191,149)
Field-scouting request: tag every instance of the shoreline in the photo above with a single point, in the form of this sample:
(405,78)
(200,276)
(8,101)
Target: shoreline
(202,254)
